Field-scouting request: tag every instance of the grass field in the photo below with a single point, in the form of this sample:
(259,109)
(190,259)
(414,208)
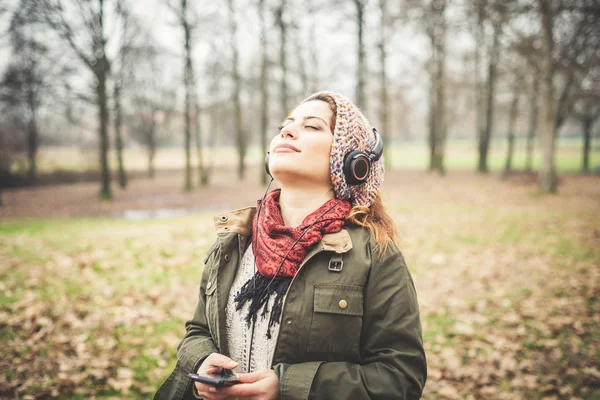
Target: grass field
(508,283)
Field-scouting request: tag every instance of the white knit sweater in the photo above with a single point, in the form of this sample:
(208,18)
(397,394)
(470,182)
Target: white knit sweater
(238,332)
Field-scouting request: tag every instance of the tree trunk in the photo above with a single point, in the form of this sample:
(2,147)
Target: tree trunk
(101,71)
(32,144)
(151,153)
(437,113)
(547,175)
(512,118)
(479,89)
(383,111)
(314,54)
(264,93)
(282,58)
(533,109)
(361,66)
(587,136)
(432,104)
(118,138)
(187,77)
(441,89)
(301,63)
(202,171)
(105,193)
(565,102)
(484,143)
(241,139)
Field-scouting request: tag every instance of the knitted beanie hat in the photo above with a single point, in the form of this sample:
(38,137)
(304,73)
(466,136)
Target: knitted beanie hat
(352,132)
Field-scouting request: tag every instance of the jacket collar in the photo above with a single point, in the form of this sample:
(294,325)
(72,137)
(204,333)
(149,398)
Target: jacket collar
(240,221)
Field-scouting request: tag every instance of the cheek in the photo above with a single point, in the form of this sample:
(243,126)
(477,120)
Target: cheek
(323,148)
(272,144)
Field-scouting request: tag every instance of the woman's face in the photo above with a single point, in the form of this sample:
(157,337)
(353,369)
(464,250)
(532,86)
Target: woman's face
(300,152)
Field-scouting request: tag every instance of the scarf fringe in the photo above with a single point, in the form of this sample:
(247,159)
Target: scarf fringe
(258,292)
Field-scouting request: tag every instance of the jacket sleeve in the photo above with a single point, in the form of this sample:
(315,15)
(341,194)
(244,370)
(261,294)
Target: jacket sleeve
(393,363)
(198,342)
(196,345)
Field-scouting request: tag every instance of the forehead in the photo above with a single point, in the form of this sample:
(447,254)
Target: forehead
(316,108)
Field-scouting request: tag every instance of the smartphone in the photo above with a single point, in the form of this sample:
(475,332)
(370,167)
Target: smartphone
(225,378)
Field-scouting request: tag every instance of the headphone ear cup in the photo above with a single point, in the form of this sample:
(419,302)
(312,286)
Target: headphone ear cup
(267,165)
(356,167)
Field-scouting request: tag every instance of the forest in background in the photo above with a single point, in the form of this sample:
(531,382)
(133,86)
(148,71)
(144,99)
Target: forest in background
(107,76)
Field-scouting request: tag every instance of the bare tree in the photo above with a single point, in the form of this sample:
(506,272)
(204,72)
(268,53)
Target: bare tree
(124,69)
(587,111)
(81,25)
(436,30)
(264,91)
(361,61)
(383,80)
(480,6)
(497,16)
(21,92)
(182,12)
(283,93)
(547,175)
(314,59)
(154,103)
(32,77)
(512,119)
(533,117)
(237,87)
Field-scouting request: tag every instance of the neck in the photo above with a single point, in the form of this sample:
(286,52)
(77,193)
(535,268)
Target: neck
(297,202)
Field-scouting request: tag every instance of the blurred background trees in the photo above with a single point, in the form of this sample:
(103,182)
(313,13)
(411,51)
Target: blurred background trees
(121,77)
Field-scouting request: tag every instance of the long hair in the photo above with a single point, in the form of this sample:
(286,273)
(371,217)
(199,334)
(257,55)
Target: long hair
(375,217)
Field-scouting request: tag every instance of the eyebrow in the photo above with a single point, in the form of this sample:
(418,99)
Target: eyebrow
(307,117)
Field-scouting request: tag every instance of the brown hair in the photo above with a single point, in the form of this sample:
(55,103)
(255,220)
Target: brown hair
(375,217)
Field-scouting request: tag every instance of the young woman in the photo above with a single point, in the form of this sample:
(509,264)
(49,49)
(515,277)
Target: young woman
(307,296)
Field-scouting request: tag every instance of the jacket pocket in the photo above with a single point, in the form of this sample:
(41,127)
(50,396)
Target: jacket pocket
(337,319)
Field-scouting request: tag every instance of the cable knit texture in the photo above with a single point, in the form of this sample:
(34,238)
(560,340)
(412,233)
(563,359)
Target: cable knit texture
(352,132)
(238,333)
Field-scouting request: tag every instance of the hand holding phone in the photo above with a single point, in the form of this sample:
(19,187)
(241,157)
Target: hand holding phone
(225,378)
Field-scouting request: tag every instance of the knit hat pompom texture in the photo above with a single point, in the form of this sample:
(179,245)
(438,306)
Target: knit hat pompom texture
(352,132)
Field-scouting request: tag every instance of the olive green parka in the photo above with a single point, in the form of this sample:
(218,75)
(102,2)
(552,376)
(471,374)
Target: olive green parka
(350,325)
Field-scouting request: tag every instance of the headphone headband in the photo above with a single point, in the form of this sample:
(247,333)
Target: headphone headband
(377,151)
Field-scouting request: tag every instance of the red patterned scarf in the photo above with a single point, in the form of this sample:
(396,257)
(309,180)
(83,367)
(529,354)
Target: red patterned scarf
(274,239)
(276,262)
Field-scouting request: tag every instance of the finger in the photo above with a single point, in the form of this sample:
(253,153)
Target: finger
(243,390)
(214,394)
(219,360)
(251,376)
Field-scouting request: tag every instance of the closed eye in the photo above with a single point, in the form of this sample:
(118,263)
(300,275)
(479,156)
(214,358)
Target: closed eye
(313,127)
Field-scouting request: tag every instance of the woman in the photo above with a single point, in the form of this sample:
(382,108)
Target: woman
(309,297)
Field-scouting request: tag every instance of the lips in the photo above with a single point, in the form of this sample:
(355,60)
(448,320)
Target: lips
(284,147)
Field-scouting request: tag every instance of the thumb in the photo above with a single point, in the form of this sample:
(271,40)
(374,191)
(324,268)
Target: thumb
(251,376)
(219,360)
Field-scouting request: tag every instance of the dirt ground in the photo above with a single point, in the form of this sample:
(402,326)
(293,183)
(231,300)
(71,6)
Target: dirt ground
(227,191)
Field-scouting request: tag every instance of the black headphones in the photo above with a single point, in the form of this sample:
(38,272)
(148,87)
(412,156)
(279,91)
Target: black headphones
(357,164)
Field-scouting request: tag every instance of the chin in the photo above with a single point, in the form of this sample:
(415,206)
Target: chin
(291,175)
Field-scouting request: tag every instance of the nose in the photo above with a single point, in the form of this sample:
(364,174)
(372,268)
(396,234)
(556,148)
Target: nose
(289,131)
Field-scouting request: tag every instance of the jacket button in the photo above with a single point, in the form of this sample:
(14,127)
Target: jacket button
(289,321)
(208,285)
(226,257)
(224,218)
(343,304)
